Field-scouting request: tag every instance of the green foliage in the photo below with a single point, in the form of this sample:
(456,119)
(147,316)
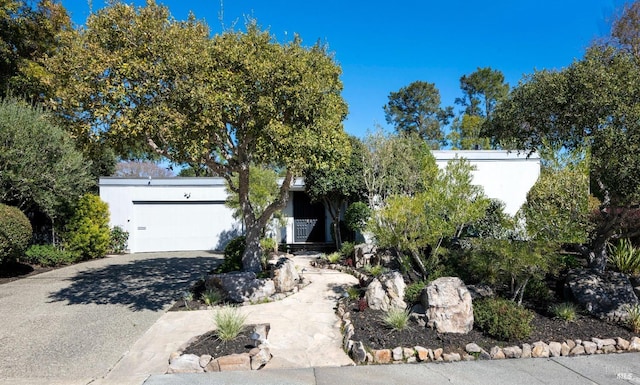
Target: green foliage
(233,255)
(633,317)
(336,187)
(334,257)
(514,262)
(229,322)
(557,206)
(353,292)
(357,216)
(347,249)
(27,37)
(230,101)
(502,319)
(374,270)
(212,297)
(625,257)
(49,255)
(263,191)
(87,232)
(396,165)
(40,168)
(482,91)
(118,239)
(15,233)
(268,244)
(415,109)
(414,223)
(493,225)
(396,319)
(413,290)
(565,311)
(466,134)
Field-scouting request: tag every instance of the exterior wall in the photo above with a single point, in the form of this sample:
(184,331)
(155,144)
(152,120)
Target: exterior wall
(128,198)
(196,205)
(504,175)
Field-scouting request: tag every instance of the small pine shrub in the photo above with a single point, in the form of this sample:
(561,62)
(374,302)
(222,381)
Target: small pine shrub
(268,245)
(49,255)
(565,311)
(347,249)
(413,290)
(15,233)
(396,319)
(357,215)
(118,239)
(502,319)
(88,231)
(229,323)
(633,318)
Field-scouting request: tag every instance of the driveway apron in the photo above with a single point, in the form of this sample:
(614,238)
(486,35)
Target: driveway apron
(72,325)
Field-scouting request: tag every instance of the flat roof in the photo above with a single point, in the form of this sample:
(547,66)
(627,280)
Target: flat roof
(175,181)
(486,155)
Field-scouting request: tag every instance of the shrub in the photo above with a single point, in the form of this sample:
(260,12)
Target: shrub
(502,319)
(633,314)
(625,257)
(212,297)
(229,323)
(396,319)
(233,255)
(353,292)
(333,257)
(566,311)
(375,271)
(347,249)
(118,239)
(413,290)
(268,244)
(15,233)
(88,230)
(357,216)
(49,255)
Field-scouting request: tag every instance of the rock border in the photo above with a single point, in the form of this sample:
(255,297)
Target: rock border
(361,355)
(255,359)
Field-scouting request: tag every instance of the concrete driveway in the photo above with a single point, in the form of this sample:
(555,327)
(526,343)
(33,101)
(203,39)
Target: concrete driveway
(72,325)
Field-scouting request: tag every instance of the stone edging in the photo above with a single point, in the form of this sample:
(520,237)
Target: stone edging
(255,359)
(360,355)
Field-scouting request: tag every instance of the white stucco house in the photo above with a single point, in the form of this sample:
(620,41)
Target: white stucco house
(177,214)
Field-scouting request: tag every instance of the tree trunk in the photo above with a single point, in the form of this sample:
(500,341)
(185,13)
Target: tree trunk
(252,256)
(416,258)
(597,256)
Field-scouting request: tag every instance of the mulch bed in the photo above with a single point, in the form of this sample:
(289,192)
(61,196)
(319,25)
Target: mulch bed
(372,332)
(16,270)
(210,344)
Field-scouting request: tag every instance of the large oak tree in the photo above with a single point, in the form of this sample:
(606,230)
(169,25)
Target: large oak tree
(136,77)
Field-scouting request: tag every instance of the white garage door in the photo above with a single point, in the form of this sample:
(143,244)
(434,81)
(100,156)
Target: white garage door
(179,226)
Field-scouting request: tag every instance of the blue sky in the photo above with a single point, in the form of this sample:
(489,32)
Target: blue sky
(383,46)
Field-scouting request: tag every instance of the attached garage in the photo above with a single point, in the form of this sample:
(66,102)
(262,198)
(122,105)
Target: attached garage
(173,214)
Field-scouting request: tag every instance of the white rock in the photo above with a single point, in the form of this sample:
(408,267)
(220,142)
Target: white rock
(186,363)
(448,306)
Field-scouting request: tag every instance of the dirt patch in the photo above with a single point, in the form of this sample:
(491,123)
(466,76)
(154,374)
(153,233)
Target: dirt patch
(13,271)
(210,344)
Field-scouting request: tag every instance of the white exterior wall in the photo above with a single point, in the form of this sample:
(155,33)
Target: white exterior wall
(169,214)
(507,176)
(189,213)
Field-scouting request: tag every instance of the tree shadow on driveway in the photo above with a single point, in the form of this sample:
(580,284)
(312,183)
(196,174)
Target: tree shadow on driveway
(146,284)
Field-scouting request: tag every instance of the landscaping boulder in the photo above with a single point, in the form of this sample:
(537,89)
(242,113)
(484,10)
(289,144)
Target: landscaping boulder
(448,306)
(364,253)
(241,286)
(604,295)
(285,276)
(386,292)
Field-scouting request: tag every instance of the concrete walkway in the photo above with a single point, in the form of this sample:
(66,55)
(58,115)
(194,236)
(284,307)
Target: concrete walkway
(72,325)
(305,332)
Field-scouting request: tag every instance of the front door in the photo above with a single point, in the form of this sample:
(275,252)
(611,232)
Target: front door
(308,219)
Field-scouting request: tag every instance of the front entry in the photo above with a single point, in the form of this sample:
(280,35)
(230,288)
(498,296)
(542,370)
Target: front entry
(308,219)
